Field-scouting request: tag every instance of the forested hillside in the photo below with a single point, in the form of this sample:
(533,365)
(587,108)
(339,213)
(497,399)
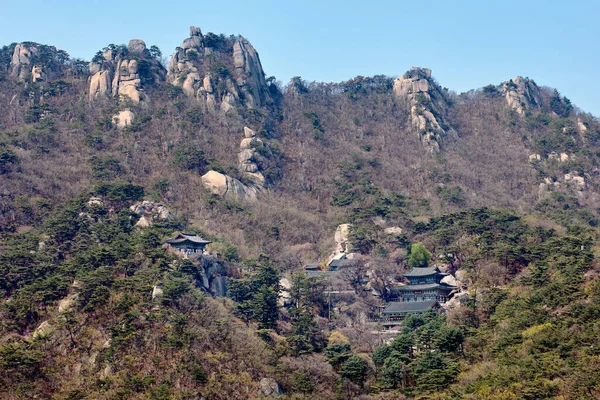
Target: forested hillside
(101,161)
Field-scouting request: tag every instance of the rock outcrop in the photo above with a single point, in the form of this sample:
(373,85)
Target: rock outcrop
(123,71)
(227,187)
(247,157)
(20,65)
(233,189)
(151,212)
(427,104)
(202,67)
(123,118)
(521,94)
(270,388)
(578,182)
(43,330)
(341,237)
(33,62)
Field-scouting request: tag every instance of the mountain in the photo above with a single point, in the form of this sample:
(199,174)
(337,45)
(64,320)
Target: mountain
(101,161)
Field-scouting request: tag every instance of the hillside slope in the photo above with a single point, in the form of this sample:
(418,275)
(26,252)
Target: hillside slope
(500,183)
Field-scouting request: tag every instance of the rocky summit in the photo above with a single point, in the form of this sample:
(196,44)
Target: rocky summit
(184,226)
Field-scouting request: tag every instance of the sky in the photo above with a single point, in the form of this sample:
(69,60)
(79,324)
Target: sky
(467,44)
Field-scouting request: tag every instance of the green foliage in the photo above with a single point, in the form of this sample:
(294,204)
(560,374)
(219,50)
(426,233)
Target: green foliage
(8,159)
(191,158)
(173,91)
(155,52)
(355,369)
(337,354)
(490,91)
(560,105)
(119,191)
(395,372)
(453,194)
(217,42)
(318,130)
(106,168)
(256,295)
(419,256)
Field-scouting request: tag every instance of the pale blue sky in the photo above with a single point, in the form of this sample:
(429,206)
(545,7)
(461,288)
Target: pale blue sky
(467,43)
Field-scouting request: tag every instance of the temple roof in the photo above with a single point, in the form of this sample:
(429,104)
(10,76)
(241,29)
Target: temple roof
(188,237)
(409,306)
(425,286)
(419,271)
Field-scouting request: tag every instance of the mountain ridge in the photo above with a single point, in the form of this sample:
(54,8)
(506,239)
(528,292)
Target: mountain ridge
(101,162)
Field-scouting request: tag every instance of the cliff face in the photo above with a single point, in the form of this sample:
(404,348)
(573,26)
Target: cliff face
(123,72)
(428,106)
(521,94)
(219,72)
(34,62)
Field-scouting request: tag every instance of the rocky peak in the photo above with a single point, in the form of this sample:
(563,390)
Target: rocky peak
(521,94)
(202,66)
(137,47)
(123,71)
(427,104)
(33,62)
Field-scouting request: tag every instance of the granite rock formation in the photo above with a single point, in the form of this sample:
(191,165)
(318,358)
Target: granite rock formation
(427,104)
(521,94)
(123,72)
(221,73)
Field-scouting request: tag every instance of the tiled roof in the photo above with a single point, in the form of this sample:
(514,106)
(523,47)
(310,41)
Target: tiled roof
(426,286)
(409,306)
(185,237)
(422,271)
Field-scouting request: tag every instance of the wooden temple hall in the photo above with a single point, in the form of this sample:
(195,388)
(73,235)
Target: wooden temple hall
(423,292)
(188,243)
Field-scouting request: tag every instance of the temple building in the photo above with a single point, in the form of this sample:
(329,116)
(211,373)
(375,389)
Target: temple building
(397,311)
(424,284)
(188,243)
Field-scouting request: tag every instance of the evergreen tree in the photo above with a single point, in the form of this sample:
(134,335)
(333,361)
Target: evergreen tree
(355,369)
(419,256)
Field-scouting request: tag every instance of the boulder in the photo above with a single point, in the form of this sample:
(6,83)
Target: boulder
(123,119)
(150,212)
(450,280)
(66,304)
(157,292)
(137,46)
(246,158)
(95,201)
(100,84)
(245,155)
(269,387)
(581,126)
(227,187)
(341,238)
(37,74)
(43,330)
(461,275)
(394,230)
(534,158)
(195,31)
